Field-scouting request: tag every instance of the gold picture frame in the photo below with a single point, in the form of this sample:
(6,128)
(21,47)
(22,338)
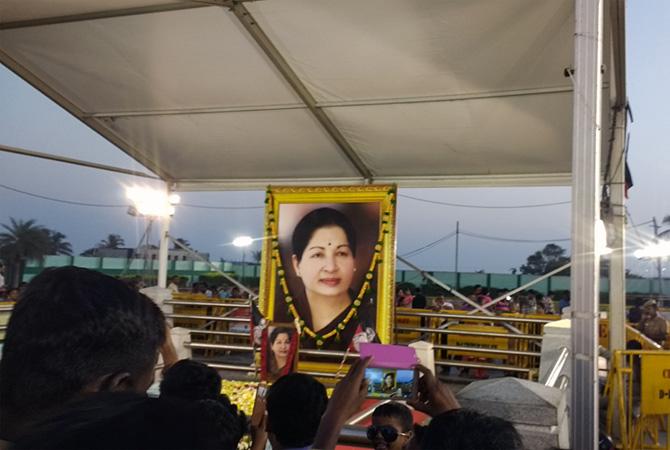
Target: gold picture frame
(286,295)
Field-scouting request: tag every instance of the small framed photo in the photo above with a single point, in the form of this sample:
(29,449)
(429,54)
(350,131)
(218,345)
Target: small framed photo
(279,350)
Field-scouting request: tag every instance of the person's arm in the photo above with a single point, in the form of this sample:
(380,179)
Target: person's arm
(429,395)
(346,400)
(168,350)
(259,435)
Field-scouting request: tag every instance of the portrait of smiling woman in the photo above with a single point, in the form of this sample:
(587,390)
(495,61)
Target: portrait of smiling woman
(279,351)
(328,263)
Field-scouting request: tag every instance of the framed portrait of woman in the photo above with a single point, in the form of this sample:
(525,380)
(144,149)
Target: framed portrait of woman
(329,263)
(279,350)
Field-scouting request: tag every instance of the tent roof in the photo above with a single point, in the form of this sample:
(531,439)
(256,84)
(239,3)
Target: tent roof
(216,94)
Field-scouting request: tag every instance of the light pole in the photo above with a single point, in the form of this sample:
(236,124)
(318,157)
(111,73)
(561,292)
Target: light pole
(659,261)
(155,204)
(658,250)
(243,242)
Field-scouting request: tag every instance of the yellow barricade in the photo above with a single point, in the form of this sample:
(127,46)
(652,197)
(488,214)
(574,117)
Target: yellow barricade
(639,396)
(498,343)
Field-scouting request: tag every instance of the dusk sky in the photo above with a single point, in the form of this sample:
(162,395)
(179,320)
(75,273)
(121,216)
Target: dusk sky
(31,121)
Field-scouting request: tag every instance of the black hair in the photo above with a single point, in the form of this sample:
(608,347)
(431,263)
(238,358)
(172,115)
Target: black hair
(464,429)
(191,380)
(279,330)
(321,218)
(114,420)
(194,381)
(295,404)
(398,411)
(72,327)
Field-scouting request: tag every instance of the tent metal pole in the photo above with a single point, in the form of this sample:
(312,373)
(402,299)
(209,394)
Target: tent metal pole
(617,218)
(76,162)
(96,125)
(106,14)
(163,250)
(584,280)
(263,41)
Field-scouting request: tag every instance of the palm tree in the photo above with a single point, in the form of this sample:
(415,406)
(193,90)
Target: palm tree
(59,246)
(22,240)
(257,255)
(112,241)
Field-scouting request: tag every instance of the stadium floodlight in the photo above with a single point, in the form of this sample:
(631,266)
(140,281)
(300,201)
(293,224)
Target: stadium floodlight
(660,249)
(152,202)
(242,241)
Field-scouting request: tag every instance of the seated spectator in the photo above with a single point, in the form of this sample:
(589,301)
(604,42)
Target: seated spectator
(74,332)
(463,429)
(548,304)
(13,295)
(174,284)
(652,324)
(295,404)
(419,300)
(635,313)
(504,305)
(392,426)
(440,303)
(114,420)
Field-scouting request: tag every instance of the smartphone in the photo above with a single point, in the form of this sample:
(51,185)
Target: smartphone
(387,383)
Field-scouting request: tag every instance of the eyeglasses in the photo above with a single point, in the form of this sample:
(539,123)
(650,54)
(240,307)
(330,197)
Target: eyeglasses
(389,434)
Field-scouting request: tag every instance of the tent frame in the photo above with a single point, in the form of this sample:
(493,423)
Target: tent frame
(585,176)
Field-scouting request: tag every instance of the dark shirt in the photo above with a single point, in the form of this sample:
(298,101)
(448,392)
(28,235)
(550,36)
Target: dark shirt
(419,301)
(635,314)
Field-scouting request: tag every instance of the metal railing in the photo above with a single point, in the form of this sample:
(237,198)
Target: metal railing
(479,342)
(210,323)
(553,378)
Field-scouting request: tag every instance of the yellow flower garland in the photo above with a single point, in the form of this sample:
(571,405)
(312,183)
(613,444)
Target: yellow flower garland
(376,257)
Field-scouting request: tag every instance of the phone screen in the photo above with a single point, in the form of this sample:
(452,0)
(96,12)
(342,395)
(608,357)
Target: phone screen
(389,383)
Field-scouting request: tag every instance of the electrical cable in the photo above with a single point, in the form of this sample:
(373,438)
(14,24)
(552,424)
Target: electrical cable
(428,246)
(504,239)
(190,205)
(53,199)
(101,205)
(463,205)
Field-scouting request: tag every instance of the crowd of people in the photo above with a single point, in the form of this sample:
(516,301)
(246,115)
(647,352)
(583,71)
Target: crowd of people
(80,353)
(209,290)
(525,302)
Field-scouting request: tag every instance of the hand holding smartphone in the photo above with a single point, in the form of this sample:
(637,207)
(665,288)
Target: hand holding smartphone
(391,370)
(257,421)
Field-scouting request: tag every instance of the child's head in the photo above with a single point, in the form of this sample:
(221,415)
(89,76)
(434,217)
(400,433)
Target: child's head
(391,426)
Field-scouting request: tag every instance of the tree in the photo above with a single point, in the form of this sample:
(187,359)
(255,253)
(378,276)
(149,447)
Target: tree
(551,257)
(22,240)
(58,244)
(257,255)
(112,241)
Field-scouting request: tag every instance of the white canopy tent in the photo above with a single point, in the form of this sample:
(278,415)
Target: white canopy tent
(223,94)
